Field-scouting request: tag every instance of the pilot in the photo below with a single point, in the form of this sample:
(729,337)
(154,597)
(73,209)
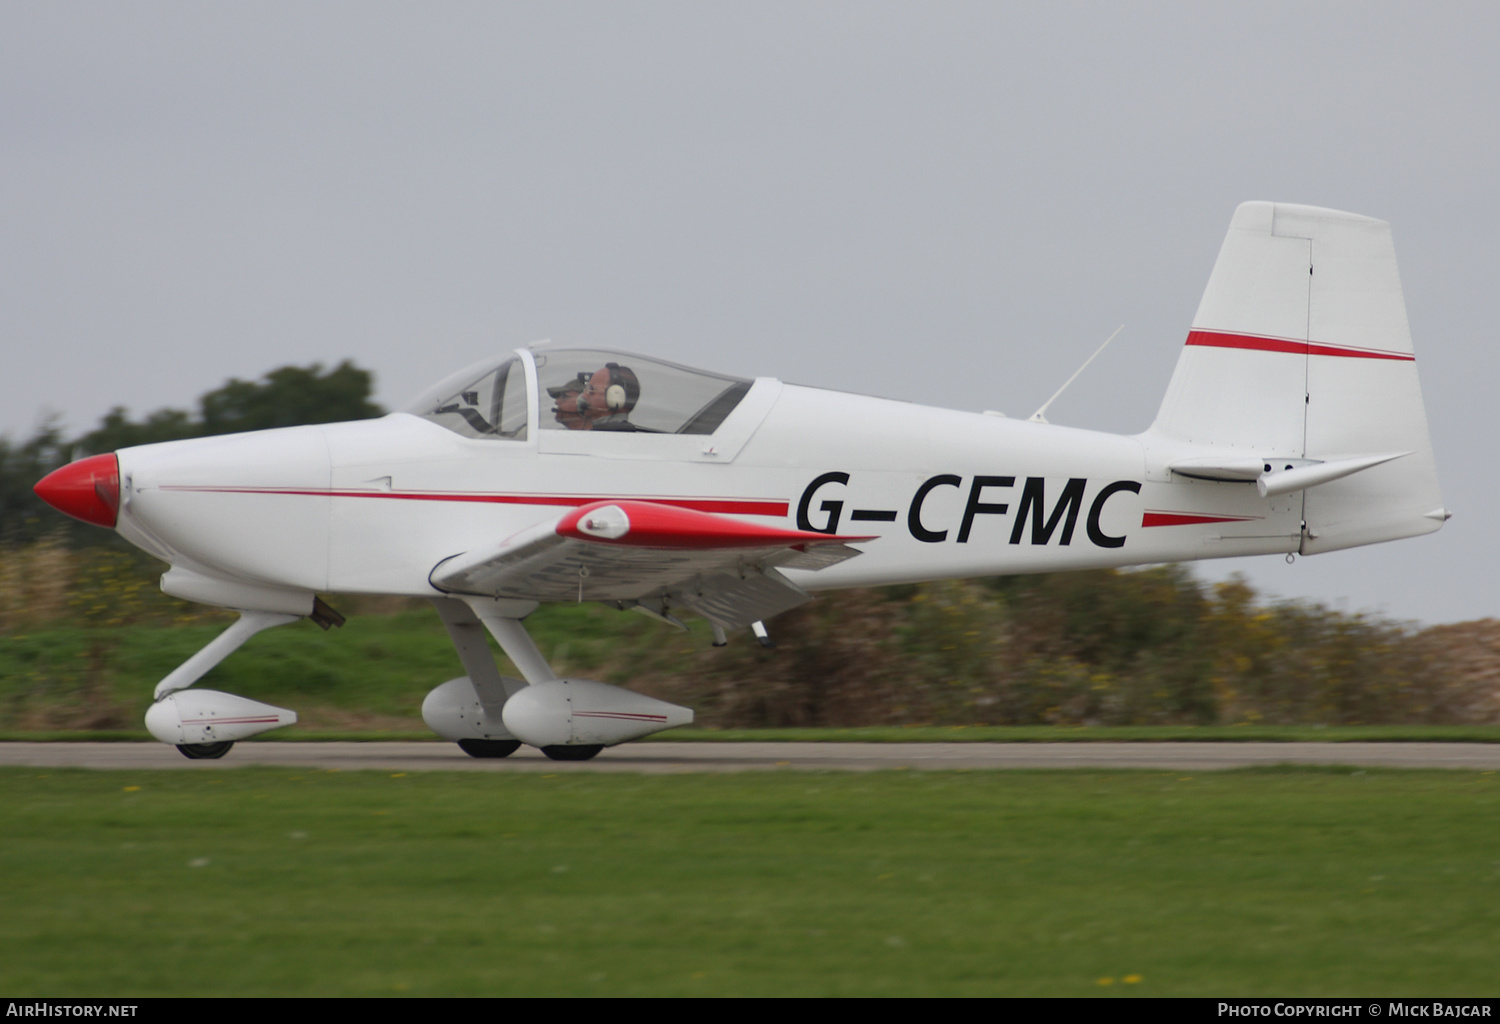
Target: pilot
(566,410)
(608,398)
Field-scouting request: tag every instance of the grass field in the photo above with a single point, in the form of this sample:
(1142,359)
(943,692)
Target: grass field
(367,681)
(372,673)
(275,882)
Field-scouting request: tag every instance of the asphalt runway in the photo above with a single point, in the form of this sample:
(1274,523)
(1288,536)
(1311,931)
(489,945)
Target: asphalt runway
(659,758)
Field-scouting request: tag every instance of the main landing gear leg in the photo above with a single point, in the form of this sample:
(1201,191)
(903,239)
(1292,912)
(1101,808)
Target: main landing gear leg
(522,650)
(503,622)
(567,719)
(490,687)
(503,619)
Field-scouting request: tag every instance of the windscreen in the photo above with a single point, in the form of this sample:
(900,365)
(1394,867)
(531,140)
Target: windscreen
(491,405)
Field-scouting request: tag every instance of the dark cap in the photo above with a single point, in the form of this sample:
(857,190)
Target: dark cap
(579,384)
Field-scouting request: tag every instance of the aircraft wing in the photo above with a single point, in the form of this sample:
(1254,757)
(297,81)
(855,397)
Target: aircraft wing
(651,554)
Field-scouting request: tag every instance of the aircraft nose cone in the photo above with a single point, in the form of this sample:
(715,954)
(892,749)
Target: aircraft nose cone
(88,489)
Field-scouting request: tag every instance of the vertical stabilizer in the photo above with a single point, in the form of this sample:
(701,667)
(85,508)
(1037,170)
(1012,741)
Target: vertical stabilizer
(1242,376)
(1301,350)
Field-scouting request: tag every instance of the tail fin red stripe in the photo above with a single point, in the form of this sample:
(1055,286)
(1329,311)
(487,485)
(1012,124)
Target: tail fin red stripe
(1216,339)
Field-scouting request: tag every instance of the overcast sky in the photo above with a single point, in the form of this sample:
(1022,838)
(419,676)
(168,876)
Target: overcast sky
(952,203)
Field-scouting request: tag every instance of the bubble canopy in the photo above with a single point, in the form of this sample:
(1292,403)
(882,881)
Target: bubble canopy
(580,390)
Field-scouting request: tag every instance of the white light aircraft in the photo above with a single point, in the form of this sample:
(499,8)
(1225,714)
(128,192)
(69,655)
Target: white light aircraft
(1293,424)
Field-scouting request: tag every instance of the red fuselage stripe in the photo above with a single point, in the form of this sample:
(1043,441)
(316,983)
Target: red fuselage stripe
(1217,339)
(733,506)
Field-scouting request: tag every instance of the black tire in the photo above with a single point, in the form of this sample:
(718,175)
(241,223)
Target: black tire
(489,748)
(205,751)
(579,753)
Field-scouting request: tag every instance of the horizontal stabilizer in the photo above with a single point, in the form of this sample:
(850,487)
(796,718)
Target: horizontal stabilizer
(1294,474)
(1272,484)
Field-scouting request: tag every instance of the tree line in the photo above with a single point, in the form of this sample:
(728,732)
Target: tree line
(1153,646)
(289,396)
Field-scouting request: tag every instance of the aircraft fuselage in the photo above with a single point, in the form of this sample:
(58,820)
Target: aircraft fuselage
(373,506)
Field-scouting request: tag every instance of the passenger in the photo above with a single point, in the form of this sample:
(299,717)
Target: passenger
(607,400)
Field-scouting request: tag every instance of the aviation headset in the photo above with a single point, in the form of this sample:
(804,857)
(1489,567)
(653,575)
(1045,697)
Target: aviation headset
(623,390)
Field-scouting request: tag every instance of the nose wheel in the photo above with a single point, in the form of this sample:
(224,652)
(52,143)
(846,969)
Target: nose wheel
(205,751)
